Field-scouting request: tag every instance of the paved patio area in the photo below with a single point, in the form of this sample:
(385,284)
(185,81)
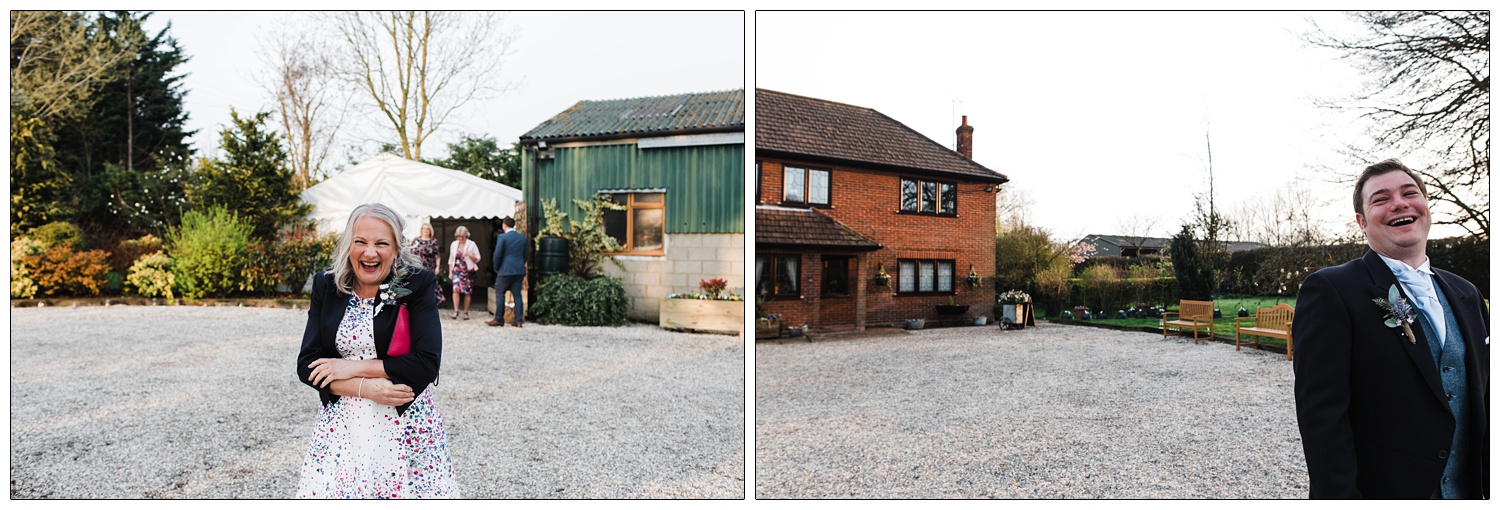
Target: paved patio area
(202,402)
(1050,412)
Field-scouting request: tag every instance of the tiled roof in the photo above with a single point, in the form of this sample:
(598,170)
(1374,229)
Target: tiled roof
(644,115)
(814,127)
(1146,242)
(775,225)
(1162,242)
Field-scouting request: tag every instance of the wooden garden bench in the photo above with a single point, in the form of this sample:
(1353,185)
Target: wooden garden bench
(1194,315)
(1273,322)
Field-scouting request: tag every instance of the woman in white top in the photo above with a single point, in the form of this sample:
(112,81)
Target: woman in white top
(463,262)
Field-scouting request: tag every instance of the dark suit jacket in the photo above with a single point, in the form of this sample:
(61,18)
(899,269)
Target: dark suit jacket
(1370,403)
(417,369)
(510,254)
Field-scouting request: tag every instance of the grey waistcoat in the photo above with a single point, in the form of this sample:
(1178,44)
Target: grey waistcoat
(1449,357)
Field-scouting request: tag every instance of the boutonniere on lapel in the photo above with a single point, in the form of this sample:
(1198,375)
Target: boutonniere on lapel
(1399,313)
(390,292)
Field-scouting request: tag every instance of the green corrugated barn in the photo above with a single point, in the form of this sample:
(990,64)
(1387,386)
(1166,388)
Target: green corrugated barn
(677,162)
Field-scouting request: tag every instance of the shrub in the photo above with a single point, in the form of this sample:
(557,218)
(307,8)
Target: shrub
(1051,291)
(1022,254)
(59,233)
(572,301)
(208,252)
(1468,257)
(21,284)
(287,261)
(151,276)
(1101,287)
(63,272)
(131,250)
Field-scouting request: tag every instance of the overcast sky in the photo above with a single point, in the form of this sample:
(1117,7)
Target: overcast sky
(1094,116)
(557,59)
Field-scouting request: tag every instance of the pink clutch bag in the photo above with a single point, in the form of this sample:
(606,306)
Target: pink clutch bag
(401,339)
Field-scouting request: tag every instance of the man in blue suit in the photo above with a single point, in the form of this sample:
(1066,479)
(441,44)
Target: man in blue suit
(1393,402)
(510,269)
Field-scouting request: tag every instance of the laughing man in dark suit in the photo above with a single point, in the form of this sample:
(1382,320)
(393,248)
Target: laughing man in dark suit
(1392,404)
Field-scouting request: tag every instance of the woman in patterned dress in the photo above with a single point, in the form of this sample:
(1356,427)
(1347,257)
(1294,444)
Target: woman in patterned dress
(463,262)
(378,432)
(426,248)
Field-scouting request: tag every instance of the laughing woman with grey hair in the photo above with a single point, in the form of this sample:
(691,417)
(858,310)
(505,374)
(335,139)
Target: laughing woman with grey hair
(371,348)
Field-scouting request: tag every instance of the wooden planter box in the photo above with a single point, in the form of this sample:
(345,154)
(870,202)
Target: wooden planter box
(703,314)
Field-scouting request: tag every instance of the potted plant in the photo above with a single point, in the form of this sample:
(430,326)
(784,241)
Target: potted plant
(981,320)
(768,326)
(915,323)
(973,279)
(951,309)
(882,279)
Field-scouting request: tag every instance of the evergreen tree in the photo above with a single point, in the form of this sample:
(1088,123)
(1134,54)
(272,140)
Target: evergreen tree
(126,153)
(1194,273)
(253,178)
(484,157)
(57,60)
(37,187)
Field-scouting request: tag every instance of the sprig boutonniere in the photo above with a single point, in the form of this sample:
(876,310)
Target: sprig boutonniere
(1400,313)
(390,292)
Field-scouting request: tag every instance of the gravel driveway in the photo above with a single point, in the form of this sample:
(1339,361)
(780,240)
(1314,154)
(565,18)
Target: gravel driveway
(202,402)
(1050,412)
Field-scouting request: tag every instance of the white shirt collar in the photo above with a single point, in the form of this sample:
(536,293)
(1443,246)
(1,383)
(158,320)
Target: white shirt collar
(1397,266)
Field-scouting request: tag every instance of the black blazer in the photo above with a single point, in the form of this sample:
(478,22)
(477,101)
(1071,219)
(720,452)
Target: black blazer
(1370,403)
(417,368)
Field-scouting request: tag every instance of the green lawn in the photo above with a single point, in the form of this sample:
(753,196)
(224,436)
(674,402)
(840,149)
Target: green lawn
(1223,327)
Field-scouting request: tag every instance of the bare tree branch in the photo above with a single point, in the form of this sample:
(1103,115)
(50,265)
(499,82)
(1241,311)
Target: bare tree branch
(419,68)
(1427,102)
(54,62)
(310,99)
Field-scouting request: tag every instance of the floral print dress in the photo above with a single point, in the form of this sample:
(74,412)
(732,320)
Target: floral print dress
(361,449)
(463,280)
(427,250)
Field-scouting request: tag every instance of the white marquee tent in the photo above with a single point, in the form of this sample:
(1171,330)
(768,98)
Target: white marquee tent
(416,190)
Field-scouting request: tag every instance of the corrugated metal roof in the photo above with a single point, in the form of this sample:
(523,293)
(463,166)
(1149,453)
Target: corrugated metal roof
(646,115)
(802,125)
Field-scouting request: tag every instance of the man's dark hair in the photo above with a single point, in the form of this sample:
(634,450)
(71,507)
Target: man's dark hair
(1378,169)
(511,222)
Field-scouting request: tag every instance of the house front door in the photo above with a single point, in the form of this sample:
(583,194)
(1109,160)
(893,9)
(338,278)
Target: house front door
(837,305)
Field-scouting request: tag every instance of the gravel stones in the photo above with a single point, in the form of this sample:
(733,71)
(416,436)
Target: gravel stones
(1050,412)
(202,402)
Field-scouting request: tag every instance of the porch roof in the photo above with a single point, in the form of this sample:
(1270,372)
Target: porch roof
(805,228)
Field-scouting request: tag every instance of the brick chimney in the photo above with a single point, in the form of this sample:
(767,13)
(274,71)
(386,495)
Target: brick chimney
(966,139)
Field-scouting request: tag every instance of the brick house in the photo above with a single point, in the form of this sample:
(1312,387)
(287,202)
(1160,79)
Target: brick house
(844,192)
